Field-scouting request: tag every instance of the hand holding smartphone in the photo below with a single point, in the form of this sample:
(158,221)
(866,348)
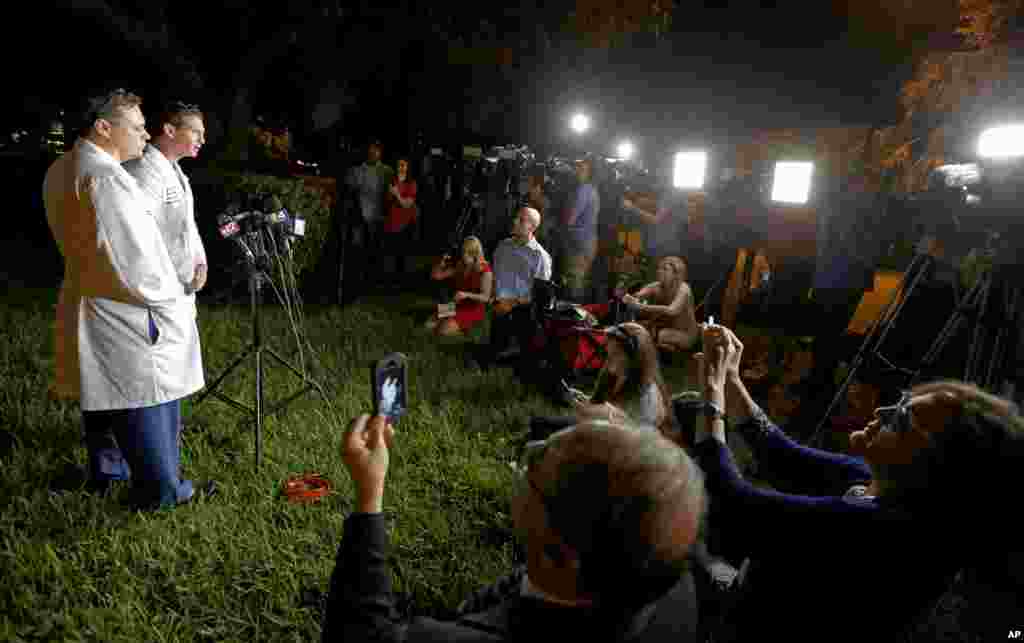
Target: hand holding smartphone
(389,385)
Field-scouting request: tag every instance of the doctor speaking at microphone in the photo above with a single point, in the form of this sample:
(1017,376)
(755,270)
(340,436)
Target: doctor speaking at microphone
(127,345)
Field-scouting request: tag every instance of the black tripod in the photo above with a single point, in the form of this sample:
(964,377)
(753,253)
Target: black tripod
(920,268)
(992,306)
(256,278)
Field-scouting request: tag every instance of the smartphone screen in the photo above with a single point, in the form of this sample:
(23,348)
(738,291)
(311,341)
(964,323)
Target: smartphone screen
(388,379)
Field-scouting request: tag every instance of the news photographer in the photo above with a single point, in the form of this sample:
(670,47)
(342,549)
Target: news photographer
(580,219)
(127,345)
(607,516)
(859,545)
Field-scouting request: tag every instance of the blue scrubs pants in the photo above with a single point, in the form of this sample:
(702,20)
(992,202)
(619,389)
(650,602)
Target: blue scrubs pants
(141,445)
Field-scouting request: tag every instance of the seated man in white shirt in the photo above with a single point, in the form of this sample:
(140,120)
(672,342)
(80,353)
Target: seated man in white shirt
(518,260)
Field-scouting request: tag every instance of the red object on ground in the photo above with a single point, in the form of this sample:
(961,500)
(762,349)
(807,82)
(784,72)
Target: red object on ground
(307,487)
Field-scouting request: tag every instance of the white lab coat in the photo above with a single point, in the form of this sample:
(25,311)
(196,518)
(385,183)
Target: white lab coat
(175,210)
(118,275)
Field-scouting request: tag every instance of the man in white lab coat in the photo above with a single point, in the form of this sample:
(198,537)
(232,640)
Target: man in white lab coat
(126,343)
(177,132)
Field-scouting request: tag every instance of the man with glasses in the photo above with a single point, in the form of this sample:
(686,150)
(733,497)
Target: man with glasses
(607,516)
(125,331)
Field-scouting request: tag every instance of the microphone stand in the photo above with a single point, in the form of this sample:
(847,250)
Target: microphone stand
(257,275)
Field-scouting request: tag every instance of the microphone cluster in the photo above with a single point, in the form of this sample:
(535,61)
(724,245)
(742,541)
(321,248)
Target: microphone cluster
(272,214)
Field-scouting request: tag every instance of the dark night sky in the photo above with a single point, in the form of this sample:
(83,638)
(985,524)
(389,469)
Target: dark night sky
(727,67)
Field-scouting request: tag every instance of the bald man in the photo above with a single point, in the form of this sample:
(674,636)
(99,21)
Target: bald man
(518,260)
(607,515)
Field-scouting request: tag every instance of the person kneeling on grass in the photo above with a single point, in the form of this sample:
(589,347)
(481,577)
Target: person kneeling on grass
(670,318)
(607,514)
(474,283)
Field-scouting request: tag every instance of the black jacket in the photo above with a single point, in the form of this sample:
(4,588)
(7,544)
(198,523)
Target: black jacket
(360,606)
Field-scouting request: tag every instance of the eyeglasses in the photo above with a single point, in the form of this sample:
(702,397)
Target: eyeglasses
(629,340)
(895,418)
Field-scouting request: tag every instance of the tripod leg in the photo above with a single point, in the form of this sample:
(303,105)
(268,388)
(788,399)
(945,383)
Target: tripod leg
(259,406)
(876,336)
(949,331)
(212,388)
(976,350)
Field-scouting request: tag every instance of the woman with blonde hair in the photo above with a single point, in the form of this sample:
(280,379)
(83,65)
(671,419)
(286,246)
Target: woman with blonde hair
(670,317)
(474,284)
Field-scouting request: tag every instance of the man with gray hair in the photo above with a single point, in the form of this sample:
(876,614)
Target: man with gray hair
(607,515)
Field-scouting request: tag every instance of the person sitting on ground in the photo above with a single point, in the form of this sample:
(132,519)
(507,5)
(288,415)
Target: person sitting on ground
(518,260)
(629,388)
(474,283)
(873,538)
(670,318)
(607,516)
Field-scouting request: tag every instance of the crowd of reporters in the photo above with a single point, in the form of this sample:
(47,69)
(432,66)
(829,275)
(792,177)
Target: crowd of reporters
(635,520)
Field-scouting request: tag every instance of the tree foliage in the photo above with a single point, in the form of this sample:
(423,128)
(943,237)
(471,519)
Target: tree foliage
(949,86)
(603,23)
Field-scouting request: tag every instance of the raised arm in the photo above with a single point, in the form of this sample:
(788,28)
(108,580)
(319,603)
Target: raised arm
(442,269)
(646,215)
(812,470)
(682,300)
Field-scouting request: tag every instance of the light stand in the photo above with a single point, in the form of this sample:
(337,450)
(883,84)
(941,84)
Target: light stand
(256,348)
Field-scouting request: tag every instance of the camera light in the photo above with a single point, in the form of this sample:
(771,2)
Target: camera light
(1002,142)
(792,182)
(689,170)
(580,123)
(625,150)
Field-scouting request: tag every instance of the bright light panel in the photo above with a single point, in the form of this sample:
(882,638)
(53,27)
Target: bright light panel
(625,150)
(792,182)
(1002,142)
(580,123)
(689,170)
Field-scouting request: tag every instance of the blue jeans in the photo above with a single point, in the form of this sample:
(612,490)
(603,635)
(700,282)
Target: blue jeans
(141,445)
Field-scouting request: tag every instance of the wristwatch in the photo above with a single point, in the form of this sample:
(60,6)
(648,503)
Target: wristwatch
(713,410)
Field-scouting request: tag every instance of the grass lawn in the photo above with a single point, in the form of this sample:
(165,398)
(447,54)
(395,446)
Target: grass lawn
(248,565)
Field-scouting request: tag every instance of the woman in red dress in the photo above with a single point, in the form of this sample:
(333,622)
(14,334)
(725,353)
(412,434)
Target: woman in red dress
(474,283)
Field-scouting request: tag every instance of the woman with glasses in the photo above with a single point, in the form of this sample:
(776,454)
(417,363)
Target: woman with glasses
(856,545)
